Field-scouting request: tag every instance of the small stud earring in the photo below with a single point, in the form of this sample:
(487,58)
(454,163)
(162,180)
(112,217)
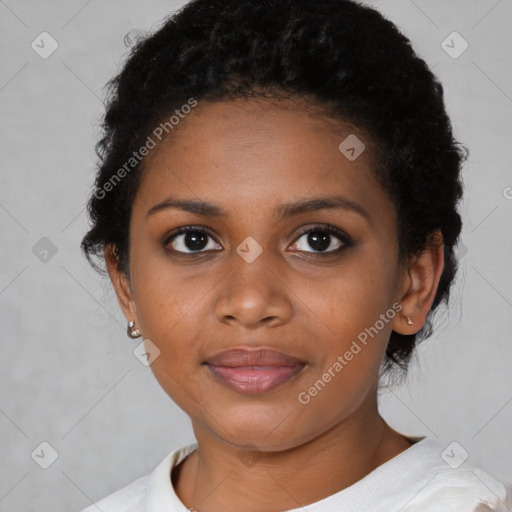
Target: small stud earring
(409,321)
(132,333)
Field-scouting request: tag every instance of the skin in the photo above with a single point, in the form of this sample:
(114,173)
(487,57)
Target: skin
(248,157)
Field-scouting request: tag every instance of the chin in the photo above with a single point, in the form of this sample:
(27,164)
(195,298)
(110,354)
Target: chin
(264,431)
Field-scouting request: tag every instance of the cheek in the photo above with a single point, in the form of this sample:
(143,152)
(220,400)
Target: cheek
(349,298)
(353,316)
(168,298)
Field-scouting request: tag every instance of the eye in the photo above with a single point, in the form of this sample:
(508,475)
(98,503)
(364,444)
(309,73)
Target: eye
(322,239)
(189,239)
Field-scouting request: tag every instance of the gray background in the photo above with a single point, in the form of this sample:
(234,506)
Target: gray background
(69,376)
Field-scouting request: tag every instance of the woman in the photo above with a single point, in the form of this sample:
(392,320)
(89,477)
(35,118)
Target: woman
(276,206)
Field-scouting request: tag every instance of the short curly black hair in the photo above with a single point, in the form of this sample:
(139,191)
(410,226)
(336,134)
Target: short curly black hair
(338,54)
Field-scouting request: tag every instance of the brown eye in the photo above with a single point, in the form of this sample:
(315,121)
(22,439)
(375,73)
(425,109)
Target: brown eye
(191,240)
(322,239)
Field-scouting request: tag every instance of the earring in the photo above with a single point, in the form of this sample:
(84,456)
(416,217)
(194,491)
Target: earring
(132,333)
(409,321)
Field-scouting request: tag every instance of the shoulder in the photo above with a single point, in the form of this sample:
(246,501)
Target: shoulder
(150,492)
(461,489)
(127,499)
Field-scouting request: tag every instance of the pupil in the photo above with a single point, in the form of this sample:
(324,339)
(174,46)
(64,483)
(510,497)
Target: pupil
(195,240)
(319,241)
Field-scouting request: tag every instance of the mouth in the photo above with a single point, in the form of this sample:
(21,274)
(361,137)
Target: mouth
(253,371)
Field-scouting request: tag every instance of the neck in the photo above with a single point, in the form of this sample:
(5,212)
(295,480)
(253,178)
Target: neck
(222,477)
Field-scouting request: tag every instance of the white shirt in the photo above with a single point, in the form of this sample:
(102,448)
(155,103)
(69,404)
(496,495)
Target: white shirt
(416,480)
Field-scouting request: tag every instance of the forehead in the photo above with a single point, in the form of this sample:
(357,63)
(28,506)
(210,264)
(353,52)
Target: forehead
(252,152)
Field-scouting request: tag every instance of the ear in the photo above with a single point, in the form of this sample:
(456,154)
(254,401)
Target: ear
(121,284)
(419,286)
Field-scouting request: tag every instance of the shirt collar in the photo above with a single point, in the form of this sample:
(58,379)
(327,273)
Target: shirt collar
(160,494)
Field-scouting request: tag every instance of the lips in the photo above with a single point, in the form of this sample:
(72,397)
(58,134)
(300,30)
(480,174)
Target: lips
(253,371)
(252,357)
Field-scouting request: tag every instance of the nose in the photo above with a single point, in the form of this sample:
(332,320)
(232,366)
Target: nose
(253,295)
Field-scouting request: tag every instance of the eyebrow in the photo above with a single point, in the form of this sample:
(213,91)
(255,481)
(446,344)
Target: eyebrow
(283,211)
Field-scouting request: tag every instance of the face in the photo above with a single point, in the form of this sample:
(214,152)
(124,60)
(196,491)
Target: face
(252,230)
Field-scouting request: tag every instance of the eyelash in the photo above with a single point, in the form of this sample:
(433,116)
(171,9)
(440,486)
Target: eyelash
(321,228)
